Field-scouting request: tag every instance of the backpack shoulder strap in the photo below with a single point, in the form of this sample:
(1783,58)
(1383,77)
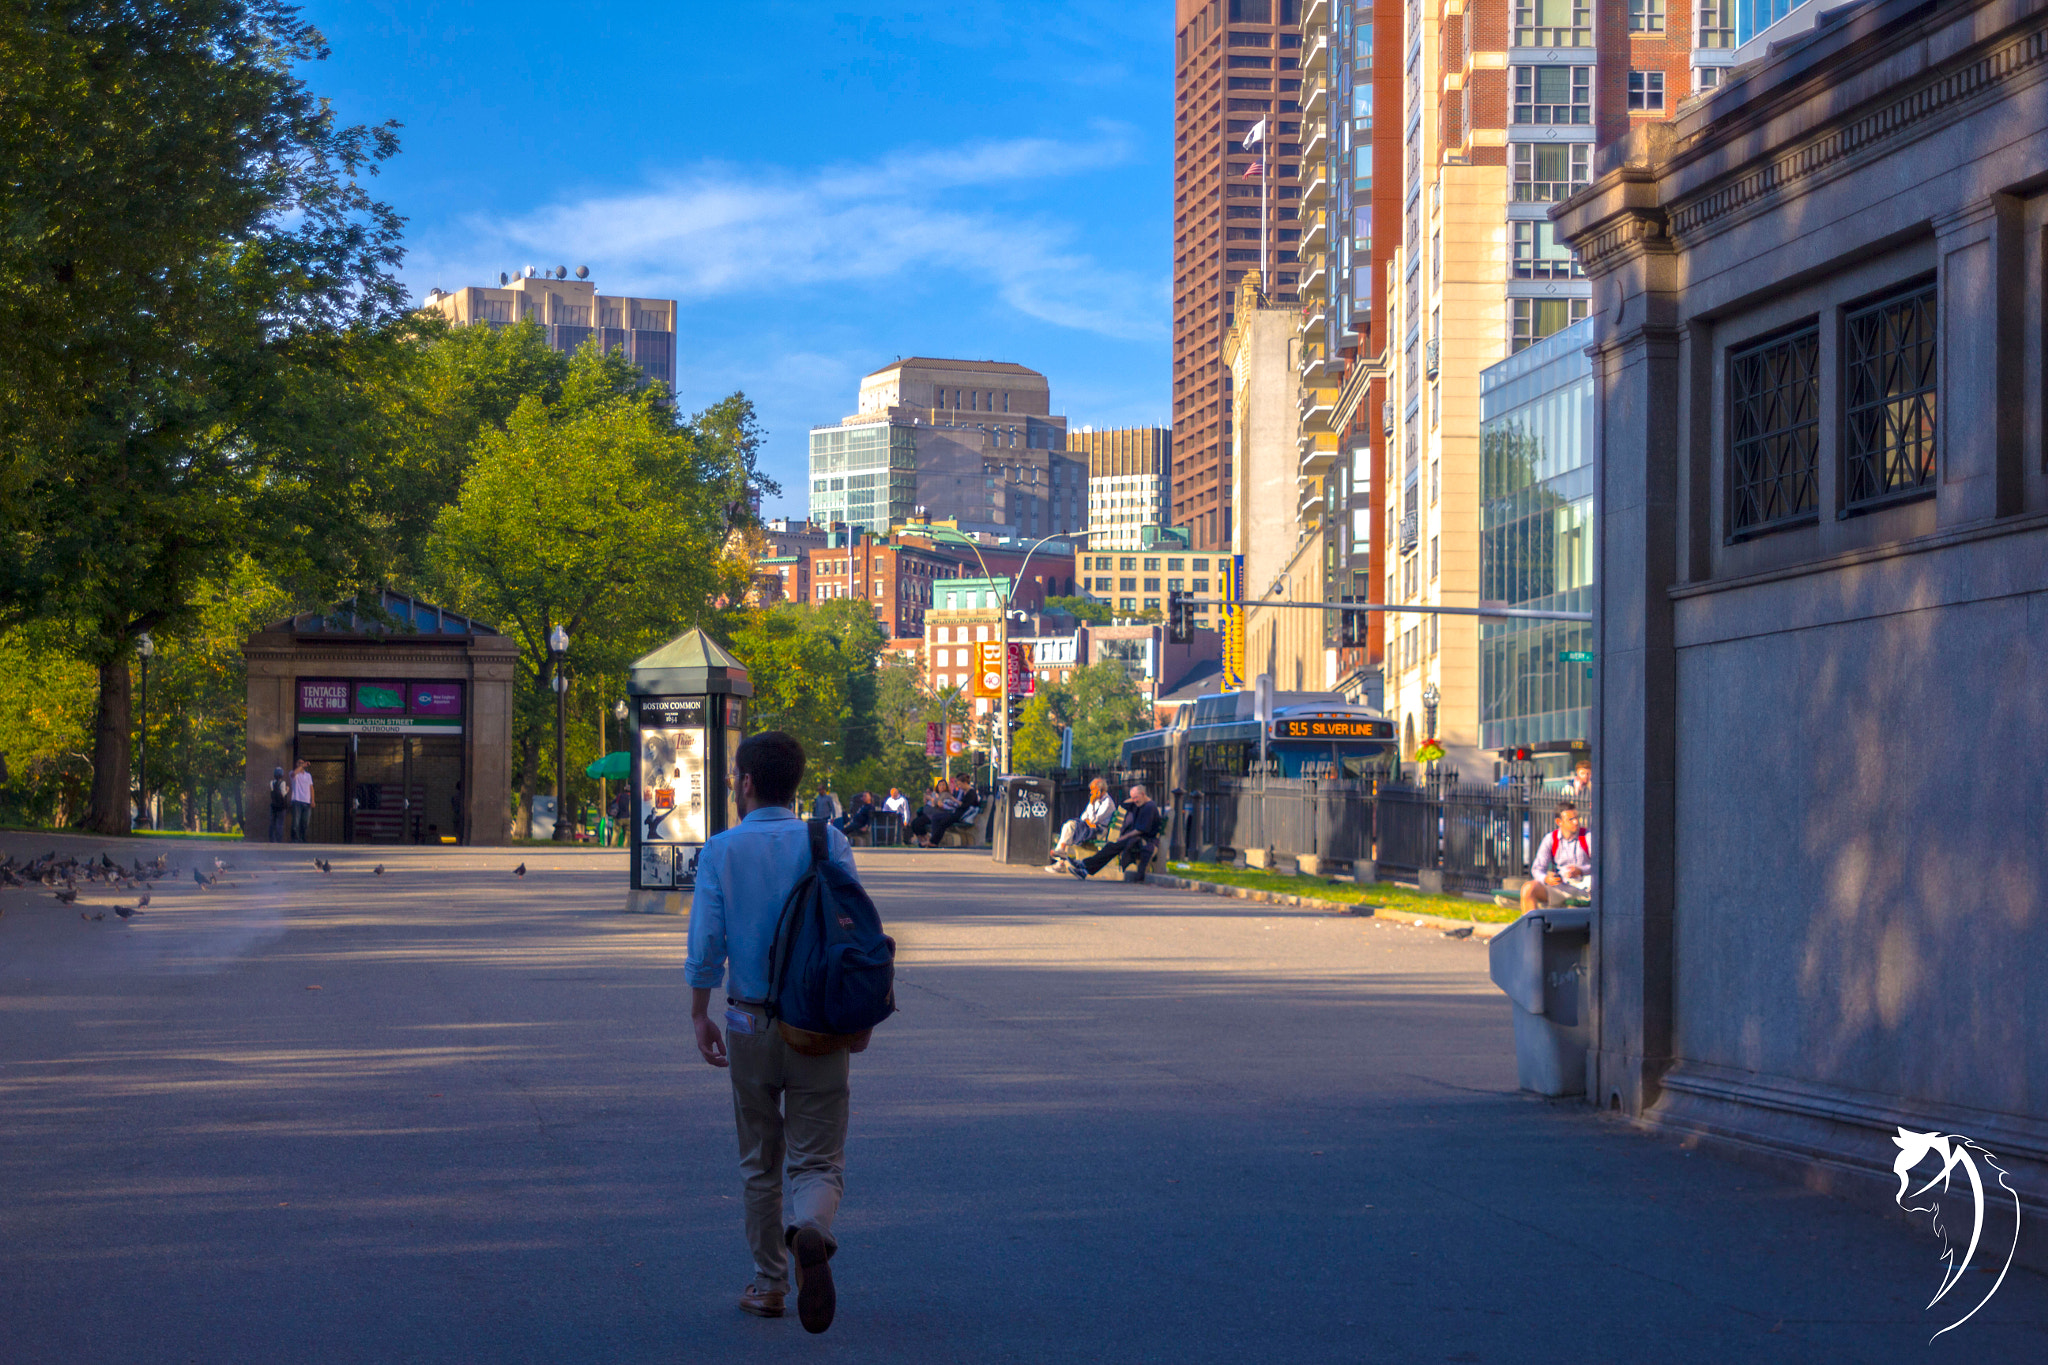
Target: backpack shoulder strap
(818,851)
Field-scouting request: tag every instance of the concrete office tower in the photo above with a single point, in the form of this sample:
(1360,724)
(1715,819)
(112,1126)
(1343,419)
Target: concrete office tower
(571,312)
(1236,62)
(1130,483)
(1507,103)
(973,441)
(1350,224)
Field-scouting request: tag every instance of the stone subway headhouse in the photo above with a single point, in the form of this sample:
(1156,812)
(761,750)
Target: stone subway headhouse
(404,714)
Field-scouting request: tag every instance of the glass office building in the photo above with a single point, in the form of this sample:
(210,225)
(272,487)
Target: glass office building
(1536,540)
(864,476)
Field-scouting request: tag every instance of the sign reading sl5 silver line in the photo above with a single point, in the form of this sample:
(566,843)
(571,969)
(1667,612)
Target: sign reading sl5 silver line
(1334,728)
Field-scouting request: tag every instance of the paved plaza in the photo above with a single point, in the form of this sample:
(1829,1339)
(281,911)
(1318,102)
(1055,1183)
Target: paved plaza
(451,1115)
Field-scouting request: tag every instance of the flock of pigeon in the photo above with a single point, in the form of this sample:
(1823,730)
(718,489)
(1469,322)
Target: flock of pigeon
(63,876)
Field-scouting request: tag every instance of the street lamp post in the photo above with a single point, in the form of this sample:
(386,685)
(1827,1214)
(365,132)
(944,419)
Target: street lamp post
(1430,698)
(145,649)
(619,715)
(558,650)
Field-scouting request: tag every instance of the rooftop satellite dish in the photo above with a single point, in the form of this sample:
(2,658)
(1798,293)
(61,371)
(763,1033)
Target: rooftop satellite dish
(561,272)
(529,272)
(503,279)
(582,272)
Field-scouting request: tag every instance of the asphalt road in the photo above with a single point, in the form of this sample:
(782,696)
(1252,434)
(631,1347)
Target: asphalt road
(449,1115)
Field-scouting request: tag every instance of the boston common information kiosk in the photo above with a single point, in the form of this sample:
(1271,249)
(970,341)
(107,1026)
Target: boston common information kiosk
(688,712)
(403,711)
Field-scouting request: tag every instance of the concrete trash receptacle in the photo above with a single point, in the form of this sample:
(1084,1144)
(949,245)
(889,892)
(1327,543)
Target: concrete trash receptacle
(1023,816)
(1544,963)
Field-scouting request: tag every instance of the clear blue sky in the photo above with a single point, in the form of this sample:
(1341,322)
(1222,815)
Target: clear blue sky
(823,186)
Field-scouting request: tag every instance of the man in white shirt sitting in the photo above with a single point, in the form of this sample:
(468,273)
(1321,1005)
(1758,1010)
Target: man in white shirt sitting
(1562,870)
(1090,828)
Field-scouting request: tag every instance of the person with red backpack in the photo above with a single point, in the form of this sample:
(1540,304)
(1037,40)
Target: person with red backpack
(778,915)
(1562,870)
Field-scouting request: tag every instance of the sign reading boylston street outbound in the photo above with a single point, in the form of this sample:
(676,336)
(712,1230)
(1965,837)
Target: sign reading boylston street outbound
(337,706)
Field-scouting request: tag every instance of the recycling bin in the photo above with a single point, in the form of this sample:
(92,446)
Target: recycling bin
(1543,961)
(1023,816)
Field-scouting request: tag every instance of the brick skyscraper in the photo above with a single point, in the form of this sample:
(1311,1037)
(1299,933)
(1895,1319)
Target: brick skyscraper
(1236,62)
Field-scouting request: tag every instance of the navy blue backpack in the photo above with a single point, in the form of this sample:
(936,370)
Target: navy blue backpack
(831,971)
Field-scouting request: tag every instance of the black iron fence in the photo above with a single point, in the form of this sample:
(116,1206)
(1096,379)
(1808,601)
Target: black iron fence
(1474,837)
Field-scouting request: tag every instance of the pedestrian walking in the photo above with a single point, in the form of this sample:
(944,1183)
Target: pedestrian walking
(825,806)
(280,805)
(790,1106)
(302,801)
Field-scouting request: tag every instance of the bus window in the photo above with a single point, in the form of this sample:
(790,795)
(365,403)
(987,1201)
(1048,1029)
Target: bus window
(1303,760)
(1356,767)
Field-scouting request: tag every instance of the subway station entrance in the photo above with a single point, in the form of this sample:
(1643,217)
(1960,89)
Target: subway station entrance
(403,712)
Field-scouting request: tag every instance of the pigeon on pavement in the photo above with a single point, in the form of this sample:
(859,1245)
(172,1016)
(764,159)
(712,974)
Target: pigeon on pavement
(67,895)
(124,911)
(197,876)
(519,871)
(378,869)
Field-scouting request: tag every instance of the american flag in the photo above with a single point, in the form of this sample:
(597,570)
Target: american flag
(1253,170)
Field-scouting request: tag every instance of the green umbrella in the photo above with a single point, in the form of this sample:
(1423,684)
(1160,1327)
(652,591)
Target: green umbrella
(612,767)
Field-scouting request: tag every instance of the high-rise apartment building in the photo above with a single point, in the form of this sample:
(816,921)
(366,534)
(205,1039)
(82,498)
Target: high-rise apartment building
(571,312)
(1130,482)
(1505,103)
(973,441)
(1237,62)
(1351,216)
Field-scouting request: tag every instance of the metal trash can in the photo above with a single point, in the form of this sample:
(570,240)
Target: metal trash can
(1023,822)
(1544,963)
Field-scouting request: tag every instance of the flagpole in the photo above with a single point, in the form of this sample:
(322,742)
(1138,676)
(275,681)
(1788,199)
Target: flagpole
(1265,219)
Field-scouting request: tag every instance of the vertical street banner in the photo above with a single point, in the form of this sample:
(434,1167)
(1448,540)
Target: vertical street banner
(956,740)
(934,738)
(988,669)
(1233,622)
(1023,680)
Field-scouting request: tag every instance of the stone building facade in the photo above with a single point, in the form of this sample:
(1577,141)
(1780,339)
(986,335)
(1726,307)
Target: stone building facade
(1823,593)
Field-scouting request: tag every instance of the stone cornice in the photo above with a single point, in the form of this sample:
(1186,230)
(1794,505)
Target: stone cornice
(1923,108)
(1628,234)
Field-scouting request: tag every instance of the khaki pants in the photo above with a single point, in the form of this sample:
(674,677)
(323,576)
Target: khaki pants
(791,1109)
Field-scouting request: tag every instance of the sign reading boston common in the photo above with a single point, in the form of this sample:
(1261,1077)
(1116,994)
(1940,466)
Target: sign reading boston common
(336,706)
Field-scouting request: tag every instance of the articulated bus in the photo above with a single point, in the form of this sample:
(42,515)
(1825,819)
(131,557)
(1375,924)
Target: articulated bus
(1311,734)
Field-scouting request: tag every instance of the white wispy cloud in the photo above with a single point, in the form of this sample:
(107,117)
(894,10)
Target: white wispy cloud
(724,230)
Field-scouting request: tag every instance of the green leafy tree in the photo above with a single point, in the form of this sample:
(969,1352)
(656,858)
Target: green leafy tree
(813,671)
(598,513)
(1035,746)
(1083,609)
(196,295)
(1107,710)
(46,713)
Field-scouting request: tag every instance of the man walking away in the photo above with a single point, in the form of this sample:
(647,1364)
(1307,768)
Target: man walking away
(790,1108)
(302,800)
(280,805)
(825,806)
(1135,842)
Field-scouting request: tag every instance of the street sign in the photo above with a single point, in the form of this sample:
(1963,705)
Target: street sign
(1577,656)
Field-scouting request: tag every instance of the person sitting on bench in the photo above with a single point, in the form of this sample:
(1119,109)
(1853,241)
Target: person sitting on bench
(860,817)
(1562,870)
(1135,842)
(966,805)
(1089,828)
(938,804)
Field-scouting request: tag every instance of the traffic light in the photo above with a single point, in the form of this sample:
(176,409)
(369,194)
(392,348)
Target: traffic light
(1015,712)
(1180,618)
(1350,629)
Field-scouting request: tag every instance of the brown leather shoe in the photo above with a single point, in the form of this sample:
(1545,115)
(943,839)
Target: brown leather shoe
(762,1303)
(816,1298)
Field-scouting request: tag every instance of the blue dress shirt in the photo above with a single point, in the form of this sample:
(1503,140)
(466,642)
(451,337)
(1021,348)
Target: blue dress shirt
(743,877)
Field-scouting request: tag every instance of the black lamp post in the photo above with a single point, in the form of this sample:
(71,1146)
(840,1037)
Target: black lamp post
(145,649)
(558,650)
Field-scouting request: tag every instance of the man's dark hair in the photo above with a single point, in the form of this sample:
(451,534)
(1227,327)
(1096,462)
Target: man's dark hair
(1567,806)
(775,761)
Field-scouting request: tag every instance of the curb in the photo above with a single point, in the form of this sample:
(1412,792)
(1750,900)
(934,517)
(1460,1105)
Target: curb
(1481,932)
